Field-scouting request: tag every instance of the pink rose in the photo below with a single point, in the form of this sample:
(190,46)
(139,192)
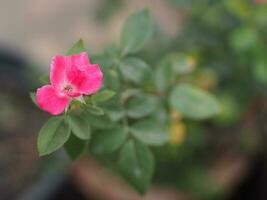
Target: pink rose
(71,77)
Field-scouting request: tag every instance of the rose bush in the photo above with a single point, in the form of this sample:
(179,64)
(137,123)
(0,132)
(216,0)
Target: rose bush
(132,112)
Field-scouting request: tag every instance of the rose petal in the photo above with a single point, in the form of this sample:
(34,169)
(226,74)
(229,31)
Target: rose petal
(79,59)
(61,64)
(48,100)
(85,79)
(58,71)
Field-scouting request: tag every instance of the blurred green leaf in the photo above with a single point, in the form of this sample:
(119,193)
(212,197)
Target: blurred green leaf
(95,110)
(128,93)
(240,8)
(77,48)
(79,125)
(170,66)
(230,110)
(100,122)
(193,102)
(112,80)
(74,147)
(149,132)
(163,77)
(136,30)
(180,63)
(260,71)
(32,96)
(103,95)
(136,164)
(108,141)
(182,3)
(244,39)
(115,112)
(44,79)
(141,106)
(107,58)
(260,16)
(135,70)
(52,135)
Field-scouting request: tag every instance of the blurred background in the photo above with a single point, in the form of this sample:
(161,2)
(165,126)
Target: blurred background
(223,158)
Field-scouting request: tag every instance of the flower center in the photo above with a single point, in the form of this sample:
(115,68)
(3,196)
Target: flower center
(68,88)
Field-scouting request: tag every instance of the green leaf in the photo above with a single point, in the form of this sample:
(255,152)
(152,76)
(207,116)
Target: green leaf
(141,106)
(75,147)
(239,8)
(32,96)
(128,93)
(115,112)
(44,79)
(136,164)
(260,71)
(231,110)
(244,39)
(112,80)
(77,48)
(52,135)
(95,110)
(100,122)
(136,31)
(170,66)
(108,141)
(193,102)
(149,132)
(115,115)
(163,77)
(79,125)
(179,62)
(103,95)
(106,58)
(135,70)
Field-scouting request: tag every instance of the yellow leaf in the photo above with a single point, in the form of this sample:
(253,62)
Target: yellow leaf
(177,133)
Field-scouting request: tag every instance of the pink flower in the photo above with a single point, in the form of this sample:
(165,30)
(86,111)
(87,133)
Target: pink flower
(71,77)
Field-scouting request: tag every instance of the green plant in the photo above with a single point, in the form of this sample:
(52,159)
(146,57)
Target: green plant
(131,113)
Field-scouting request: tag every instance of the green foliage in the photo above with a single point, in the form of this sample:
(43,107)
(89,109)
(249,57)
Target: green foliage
(149,132)
(78,47)
(229,38)
(53,135)
(44,79)
(32,96)
(75,147)
(260,71)
(103,95)
(79,125)
(171,66)
(243,39)
(100,122)
(95,110)
(164,77)
(193,102)
(136,164)
(108,141)
(132,110)
(135,70)
(179,63)
(136,30)
(230,110)
(141,106)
